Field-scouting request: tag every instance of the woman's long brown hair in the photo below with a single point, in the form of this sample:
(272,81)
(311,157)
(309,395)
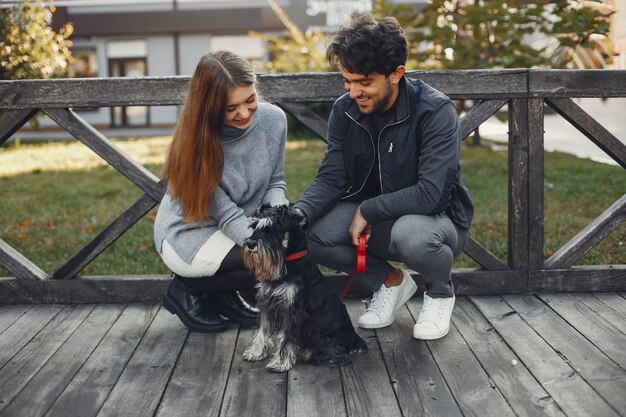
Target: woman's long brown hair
(195,159)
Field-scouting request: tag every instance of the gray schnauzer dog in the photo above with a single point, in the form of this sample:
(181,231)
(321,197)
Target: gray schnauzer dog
(300,318)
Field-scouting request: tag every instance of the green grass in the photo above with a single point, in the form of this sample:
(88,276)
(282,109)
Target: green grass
(49,213)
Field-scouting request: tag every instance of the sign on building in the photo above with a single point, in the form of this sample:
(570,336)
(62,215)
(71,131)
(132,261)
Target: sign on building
(338,12)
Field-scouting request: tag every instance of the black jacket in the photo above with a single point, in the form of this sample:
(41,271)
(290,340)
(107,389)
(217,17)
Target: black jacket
(418,156)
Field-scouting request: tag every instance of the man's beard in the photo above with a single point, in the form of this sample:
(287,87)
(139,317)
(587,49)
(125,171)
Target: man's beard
(385,99)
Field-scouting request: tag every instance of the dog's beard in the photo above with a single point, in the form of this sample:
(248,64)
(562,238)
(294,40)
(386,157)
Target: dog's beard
(266,264)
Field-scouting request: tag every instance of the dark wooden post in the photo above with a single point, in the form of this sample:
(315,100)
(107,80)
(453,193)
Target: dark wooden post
(518,186)
(535,183)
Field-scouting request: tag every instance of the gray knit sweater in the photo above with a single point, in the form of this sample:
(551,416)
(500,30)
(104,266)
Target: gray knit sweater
(253,175)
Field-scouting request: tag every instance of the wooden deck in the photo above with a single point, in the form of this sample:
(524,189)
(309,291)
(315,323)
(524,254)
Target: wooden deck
(522,355)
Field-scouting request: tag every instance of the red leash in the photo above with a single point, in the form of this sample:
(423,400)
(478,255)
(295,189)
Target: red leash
(360,266)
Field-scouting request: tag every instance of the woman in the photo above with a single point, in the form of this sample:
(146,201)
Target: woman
(225,160)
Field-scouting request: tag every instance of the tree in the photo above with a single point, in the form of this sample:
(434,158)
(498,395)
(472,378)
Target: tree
(476,34)
(29,48)
(580,35)
(298,52)
(456,34)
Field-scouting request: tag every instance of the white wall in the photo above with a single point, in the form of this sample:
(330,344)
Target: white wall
(190,49)
(161,62)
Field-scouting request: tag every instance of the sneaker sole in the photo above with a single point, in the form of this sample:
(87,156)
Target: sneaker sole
(402,301)
(430,336)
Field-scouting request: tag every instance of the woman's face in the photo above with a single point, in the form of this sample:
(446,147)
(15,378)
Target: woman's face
(241,106)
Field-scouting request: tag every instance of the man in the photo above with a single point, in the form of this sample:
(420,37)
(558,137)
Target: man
(391,171)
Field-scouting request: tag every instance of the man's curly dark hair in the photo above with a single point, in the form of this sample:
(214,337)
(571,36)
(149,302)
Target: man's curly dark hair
(367,46)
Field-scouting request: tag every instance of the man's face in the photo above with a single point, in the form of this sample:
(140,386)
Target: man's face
(372,92)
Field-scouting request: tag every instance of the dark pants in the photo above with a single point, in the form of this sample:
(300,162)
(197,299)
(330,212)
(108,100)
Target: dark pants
(426,244)
(232,274)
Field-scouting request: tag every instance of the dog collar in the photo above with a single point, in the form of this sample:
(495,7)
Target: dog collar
(295,256)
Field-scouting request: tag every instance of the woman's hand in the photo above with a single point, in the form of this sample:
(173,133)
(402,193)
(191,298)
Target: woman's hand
(359,226)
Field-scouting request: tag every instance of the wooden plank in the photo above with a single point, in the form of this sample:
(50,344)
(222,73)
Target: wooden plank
(252,390)
(45,387)
(315,391)
(307,87)
(308,117)
(609,306)
(483,257)
(590,236)
(489,282)
(473,390)
(571,392)
(579,279)
(607,378)
(105,238)
(283,88)
(577,83)
(590,127)
(91,386)
(107,150)
(535,183)
(139,388)
(18,264)
(9,314)
(520,388)
(415,377)
(150,288)
(518,184)
(29,360)
(602,333)
(12,120)
(466,281)
(86,289)
(93,92)
(200,376)
(24,329)
(301,88)
(479,114)
(367,386)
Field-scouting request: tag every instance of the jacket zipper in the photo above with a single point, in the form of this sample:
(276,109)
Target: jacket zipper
(370,171)
(380,173)
(377,150)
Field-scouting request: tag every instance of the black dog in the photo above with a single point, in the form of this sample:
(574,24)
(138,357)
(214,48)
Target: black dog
(296,305)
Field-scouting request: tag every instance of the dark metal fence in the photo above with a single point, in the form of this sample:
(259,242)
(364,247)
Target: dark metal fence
(524,91)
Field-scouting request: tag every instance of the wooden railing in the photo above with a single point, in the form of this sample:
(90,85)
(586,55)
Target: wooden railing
(525,92)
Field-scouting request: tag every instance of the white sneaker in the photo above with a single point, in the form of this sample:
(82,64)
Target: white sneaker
(434,319)
(381,311)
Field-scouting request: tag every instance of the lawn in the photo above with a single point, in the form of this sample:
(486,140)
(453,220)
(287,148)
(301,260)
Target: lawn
(53,203)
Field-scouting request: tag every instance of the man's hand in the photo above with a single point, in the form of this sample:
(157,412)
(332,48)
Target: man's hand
(359,226)
(300,212)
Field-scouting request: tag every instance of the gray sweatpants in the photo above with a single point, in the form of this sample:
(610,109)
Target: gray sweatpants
(426,244)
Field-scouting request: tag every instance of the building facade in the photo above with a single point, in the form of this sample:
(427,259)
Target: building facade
(135,38)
